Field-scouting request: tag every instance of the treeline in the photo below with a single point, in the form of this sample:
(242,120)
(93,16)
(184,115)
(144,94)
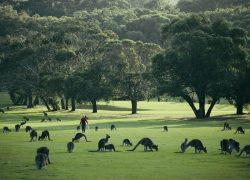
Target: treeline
(58,53)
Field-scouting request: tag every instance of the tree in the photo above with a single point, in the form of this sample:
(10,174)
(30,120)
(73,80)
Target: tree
(196,62)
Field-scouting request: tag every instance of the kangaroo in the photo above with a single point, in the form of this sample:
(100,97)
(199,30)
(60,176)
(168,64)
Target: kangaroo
(126,142)
(78,136)
(42,120)
(183,145)
(147,143)
(1,110)
(6,129)
(70,147)
(44,135)
(234,145)
(26,118)
(17,127)
(28,129)
(112,127)
(102,142)
(22,123)
(78,128)
(33,134)
(224,144)
(109,147)
(58,119)
(45,114)
(165,128)
(226,126)
(96,128)
(197,144)
(43,150)
(239,130)
(41,161)
(49,119)
(245,149)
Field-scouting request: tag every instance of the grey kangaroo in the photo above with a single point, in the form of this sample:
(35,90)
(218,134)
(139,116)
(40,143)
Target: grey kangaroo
(147,143)
(197,144)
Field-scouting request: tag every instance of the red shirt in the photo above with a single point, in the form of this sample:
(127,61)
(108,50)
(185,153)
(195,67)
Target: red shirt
(84,120)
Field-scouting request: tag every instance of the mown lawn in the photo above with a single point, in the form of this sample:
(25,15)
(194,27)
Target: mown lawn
(17,153)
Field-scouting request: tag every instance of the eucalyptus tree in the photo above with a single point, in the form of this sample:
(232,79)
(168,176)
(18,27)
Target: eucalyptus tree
(197,61)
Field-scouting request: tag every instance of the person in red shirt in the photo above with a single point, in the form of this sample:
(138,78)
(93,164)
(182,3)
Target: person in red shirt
(84,122)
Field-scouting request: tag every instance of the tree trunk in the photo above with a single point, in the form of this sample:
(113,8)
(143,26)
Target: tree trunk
(62,103)
(134,106)
(45,103)
(94,106)
(191,104)
(30,100)
(73,104)
(239,106)
(201,111)
(66,103)
(158,98)
(36,101)
(214,100)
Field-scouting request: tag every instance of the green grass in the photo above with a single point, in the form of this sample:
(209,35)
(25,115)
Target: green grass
(17,153)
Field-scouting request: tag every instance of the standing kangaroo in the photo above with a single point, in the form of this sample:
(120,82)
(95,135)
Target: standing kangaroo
(102,142)
(78,136)
(245,149)
(112,127)
(70,147)
(197,144)
(147,143)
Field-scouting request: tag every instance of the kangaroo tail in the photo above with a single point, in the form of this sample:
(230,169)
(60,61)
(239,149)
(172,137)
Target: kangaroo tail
(135,146)
(85,138)
(241,152)
(49,138)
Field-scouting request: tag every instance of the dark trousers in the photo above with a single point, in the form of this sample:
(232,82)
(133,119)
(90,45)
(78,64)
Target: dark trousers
(83,127)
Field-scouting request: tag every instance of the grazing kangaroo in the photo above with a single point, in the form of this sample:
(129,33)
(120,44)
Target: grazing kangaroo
(112,127)
(165,128)
(224,144)
(6,129)
(96,128)
(49,119)
(43,150)
(109,147)
(234,145)
(41,161)
(239,130)
(183,145)
(226,126)
(44,135)
(17,127)
(197,144)
(26,118)
(102,142)
(126,142)
(147,143)
(245,149)
(78,128)
(1,110)
(28,129)
(42,120)
(70,147)
(78,136)
(45,114)
(22,123)
(58,119)
(33,134)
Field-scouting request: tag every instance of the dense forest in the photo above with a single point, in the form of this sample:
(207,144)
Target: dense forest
(62,52)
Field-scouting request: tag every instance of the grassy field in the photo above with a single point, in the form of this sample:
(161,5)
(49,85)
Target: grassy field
(17,153)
